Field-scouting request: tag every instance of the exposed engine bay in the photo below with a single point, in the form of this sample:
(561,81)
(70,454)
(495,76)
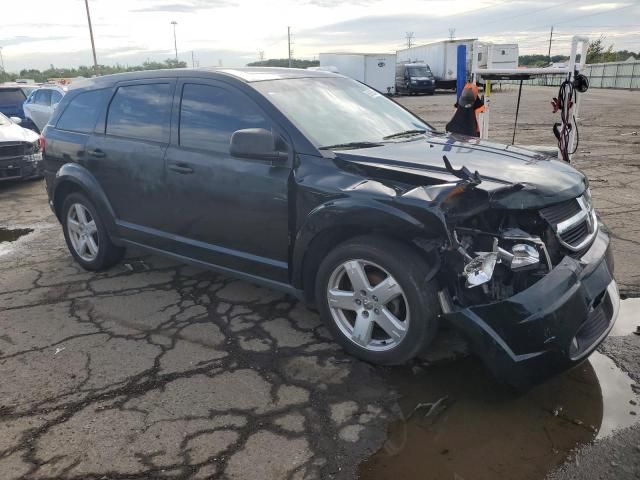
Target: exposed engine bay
(498,253)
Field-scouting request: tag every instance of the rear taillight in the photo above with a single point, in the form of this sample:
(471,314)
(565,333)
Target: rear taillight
(42,143)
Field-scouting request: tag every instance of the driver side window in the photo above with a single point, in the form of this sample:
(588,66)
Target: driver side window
(209,115)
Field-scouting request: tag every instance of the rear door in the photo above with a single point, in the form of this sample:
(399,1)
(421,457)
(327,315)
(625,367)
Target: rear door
(224,210)
(126,154)
(39,108)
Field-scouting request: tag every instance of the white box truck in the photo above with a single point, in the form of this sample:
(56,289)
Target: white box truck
(442,58)
(377,70)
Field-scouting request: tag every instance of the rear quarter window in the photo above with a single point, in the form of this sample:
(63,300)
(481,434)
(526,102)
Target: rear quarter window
(82,111)
(141,112)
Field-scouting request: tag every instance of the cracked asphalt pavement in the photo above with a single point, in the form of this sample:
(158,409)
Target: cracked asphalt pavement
(158,369)
(155,369)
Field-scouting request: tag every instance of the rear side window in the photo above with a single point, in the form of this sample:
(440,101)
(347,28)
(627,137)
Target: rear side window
(42,97)
(82,111)
(10,96)
(56,96)
(141,111)
(209,116)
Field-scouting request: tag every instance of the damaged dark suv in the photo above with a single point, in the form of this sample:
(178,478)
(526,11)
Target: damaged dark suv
(319,186)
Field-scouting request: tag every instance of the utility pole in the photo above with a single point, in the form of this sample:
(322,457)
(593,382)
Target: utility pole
(175,41)
(452,33)
(261,55)
(409,38)
(550,38)
(93,45)
(193,61)
(1,60)
(289,44)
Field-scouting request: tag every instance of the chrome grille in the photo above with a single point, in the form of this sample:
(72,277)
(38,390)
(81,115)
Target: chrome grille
(561,211)
(574,222)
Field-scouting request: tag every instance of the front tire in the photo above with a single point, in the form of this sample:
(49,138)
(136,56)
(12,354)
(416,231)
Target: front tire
(86,235)
(375,296)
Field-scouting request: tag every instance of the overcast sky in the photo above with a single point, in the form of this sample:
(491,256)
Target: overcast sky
(231,32)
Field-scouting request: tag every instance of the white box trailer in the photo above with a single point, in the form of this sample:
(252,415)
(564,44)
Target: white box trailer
(442,58)
(378,70)
(497,55)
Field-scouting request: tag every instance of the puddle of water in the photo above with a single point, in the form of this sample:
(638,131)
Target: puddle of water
(8,235)
(628,318)
(487,432)
(12,234)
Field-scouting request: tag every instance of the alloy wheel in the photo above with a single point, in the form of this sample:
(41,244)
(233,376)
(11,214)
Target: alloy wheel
(83,232)
(368,305)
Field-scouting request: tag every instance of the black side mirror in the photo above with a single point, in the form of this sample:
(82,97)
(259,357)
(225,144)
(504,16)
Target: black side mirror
(257,143)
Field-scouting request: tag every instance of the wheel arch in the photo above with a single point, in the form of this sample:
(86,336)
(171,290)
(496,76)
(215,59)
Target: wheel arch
(332,224)
(72,178)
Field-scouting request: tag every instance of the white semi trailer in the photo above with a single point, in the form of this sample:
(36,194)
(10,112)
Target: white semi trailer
(442,58)
(377,70)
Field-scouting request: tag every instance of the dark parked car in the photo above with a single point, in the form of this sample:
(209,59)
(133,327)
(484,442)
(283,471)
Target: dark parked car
(12,98)
(414,78)
(319,186)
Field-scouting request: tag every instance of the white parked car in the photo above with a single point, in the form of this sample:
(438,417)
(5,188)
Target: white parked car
(39,106)
(20,152)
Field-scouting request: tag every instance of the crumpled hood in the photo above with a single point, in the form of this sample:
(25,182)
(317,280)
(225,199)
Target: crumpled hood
(15,133)
(513,177)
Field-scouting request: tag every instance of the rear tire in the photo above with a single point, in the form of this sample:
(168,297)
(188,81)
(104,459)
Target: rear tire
(86,234)
(375,296)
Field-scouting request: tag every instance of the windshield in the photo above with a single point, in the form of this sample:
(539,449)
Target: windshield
(333,111)
(9,96)
(420,72)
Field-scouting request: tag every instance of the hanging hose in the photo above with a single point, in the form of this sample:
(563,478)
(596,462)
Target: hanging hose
(566,100)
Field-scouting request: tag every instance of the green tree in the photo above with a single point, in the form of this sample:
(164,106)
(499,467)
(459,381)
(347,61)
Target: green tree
(597,53)
(284,62)
(41,76)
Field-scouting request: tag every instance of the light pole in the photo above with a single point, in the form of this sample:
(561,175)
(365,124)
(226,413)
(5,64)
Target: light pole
(93,45)
(175,42)
(1,60)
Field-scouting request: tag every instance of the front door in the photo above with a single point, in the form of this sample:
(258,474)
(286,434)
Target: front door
(223,210)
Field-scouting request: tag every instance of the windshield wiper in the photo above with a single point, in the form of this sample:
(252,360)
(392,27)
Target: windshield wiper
(406,133)
(340,146)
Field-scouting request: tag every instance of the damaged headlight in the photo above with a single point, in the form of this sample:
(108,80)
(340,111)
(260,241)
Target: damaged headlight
(479,269)
(35,154)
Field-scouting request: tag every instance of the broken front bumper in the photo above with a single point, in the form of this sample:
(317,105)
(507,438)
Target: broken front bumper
(19,168)
(549,327)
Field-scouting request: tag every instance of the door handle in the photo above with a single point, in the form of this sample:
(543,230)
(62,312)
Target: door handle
(96,153)
(180,168)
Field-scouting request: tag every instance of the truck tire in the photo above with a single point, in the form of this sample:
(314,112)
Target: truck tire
(376,297)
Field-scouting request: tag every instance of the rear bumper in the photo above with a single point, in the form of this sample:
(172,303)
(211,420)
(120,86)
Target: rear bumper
(551,326)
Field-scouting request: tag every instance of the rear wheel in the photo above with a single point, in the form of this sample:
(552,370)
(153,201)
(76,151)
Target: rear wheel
(375,297)
(86,235)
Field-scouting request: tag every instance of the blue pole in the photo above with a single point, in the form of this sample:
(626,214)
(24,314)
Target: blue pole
(461,77)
